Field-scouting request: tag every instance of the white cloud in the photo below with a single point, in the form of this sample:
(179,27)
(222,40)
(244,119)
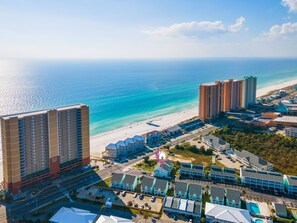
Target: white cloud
(291,4)
(197,29)
(280,31)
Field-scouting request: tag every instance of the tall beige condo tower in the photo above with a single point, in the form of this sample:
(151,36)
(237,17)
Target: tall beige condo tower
(43,144)
(223,96)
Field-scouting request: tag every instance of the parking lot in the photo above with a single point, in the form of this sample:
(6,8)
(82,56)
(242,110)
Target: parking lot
(119,198)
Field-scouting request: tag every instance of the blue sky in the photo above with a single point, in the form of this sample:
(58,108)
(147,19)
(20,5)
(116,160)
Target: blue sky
(92,29)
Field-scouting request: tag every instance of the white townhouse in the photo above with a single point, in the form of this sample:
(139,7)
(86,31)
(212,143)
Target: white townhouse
(163,169)
(264,180)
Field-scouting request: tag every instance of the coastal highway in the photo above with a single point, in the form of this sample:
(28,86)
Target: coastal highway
(53,193)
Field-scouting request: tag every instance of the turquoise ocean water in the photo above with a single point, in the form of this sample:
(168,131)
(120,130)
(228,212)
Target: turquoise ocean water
(121,92)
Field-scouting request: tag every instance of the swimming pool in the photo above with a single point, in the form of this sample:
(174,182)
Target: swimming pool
(258,221)
(254,209)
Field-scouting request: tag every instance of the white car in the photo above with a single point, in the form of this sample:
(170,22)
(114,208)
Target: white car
(135,195)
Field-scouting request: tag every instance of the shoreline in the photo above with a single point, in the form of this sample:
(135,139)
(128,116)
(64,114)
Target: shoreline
(99,141)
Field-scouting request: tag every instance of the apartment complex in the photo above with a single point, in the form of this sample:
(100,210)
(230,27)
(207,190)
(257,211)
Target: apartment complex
(252,160)
(43,144)
(222,96)
(264,180)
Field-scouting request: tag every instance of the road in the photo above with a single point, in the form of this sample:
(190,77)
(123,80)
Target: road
(54,193)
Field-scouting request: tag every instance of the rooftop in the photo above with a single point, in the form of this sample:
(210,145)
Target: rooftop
(117,178)
(195,189)
(215,140)
(233,195)
(180,187)
(289,119)
(112,219)
(161,184)
(227,214)
(73,215)
(129,179)
(265,175)
(168,202)
(252,158)
(148,181)
(217,192)
(280,209)
(40,112)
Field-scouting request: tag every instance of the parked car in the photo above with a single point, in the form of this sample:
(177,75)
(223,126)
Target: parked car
(135,205)
(142,206)
(153,199)
(124,193)
(117,192)
(135,195)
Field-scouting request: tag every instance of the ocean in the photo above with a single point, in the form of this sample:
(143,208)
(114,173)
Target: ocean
(122,92)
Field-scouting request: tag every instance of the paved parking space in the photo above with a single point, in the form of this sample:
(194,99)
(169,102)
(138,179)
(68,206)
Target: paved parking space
(120,199)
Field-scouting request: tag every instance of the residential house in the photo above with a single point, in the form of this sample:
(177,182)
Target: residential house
(195,192)
(111,151)
(130,145)
(250,159)
(117,180)
(216,143)
(291,131)
(161,187)
(217,195)
(291,184)
(172,131)
(153,137)
(181,189)
(264,180)
(223,214)
(233,198)
(188,170)
(122,149)
(138,143)
(182,206)
(280,210)
(147,185)
(163,169)
(130,182)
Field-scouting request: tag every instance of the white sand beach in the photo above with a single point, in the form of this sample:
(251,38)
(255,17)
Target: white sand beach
(98,142)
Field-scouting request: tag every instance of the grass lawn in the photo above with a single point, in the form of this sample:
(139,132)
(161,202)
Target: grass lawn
(146,166)
(197,158)
(205,198)
(170,192)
